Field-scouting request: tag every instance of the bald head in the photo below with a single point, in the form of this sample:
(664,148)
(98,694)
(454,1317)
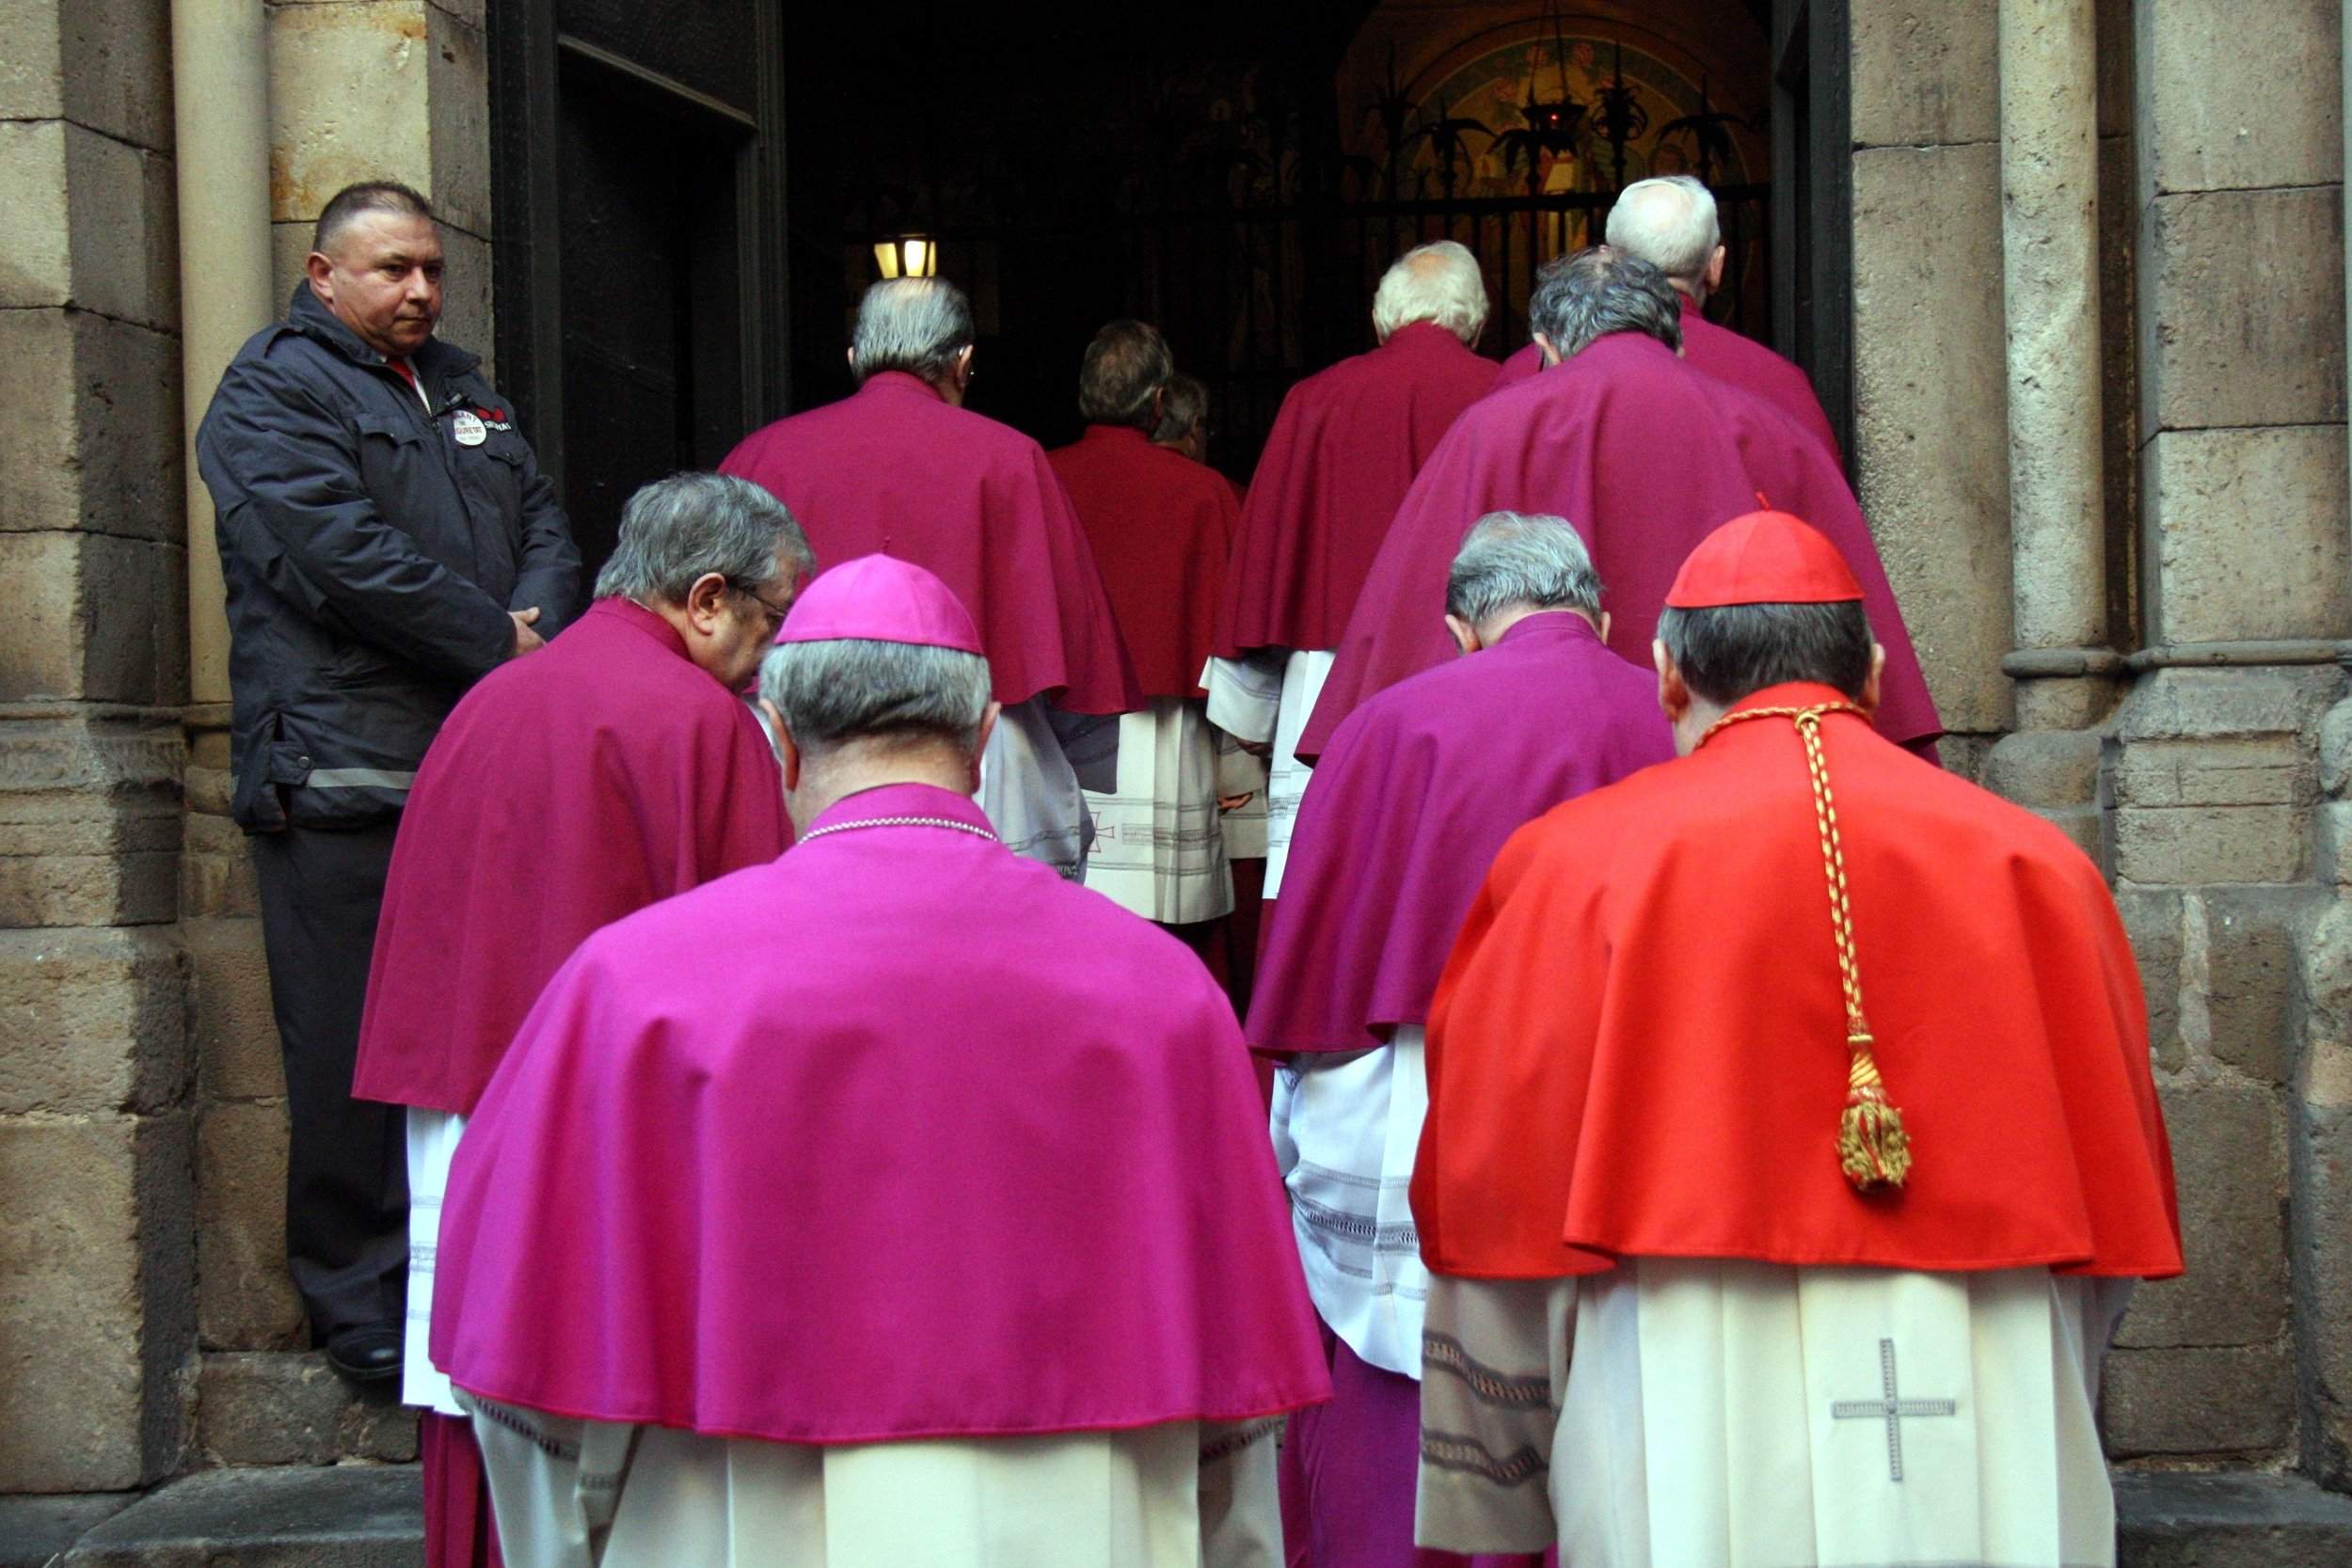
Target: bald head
(1670,223)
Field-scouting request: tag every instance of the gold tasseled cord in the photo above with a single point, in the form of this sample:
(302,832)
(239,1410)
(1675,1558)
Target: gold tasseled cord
(1872,1148)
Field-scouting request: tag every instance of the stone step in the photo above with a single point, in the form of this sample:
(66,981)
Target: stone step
(2233,1520)
(328,1516)
(372,1516)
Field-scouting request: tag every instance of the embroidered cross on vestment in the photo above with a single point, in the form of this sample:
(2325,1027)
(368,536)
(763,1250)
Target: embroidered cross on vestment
(1890,1408)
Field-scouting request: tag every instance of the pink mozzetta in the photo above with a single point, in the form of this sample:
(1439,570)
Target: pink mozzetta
(879,598)
(880,1140)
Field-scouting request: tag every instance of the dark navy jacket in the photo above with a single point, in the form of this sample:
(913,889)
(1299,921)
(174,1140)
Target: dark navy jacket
(370,559)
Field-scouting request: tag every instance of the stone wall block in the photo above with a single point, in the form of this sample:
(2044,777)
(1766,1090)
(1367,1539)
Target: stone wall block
(466,319)
(32,62)
(2247,536)
(2229,1164)
(457,74)
(2331,843)
(347,87)
(235,1033)
(378,1427)
(216,875)
(2215,705)
(2322,1241)
(97,618)
(36,244)
(92,1253)
(89,426)
(2151,918)
(2251,976)
(2236,96)
(92,1021)
(90,822)
(245,1301)
(2233,1402)
(116,66)
(265,1408)
(1931,366)
(2258,771)
(2221,344)
(125,231)
(2045,767)
(1926,74)
(2187,846)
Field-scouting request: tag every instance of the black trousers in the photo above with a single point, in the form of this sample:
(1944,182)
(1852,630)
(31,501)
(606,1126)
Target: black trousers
(346,1160)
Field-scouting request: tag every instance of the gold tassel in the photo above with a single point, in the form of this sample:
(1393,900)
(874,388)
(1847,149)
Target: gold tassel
(1872,1146)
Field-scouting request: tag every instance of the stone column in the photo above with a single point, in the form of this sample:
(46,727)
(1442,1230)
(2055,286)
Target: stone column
(2050,297)
(95,1264)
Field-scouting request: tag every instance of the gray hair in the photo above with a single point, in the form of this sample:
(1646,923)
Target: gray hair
(915,324)
(850,688)
(1436,282)
(1726,652)
(1594,293)
(1519,558)
(678,528)
(1127,363)
(1186,406)
(1669,222)
(368,196)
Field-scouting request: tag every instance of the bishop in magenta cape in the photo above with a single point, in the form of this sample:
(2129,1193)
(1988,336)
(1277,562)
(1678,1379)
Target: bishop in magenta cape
(1645,455)
(939,1217)
(1728,356)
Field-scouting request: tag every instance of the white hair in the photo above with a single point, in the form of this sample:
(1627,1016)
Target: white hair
(1670,223)
(916,325)
(1436,282)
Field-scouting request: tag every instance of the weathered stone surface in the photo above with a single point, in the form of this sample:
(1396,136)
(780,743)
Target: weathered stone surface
(116,58)
(2152,917)
(94,1279)
(100,618)
(2236,1520)
(2221,342)
(2211,843)
(1925,73)
(2322,1229)
(2234,97)
(235,1034)
(457,80)
(32,64)
(2259,771)
(92,1021)
(2046,768)
(2234,1401)
(1931,387)
(380,1428)
(340,1517)
(2192,705)
(93,223)
(348,97)
(89,821)
(465,316)
(2247,536)
(2229,1153)
(33,1529)
(89,427)
(2250,963)
(244,1299)
(217,878)
(265,1408)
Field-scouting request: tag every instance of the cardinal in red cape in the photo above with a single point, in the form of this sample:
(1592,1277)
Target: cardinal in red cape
(1162,526)
(1342,451)
(610,770)
(849,1208)
(1420,788)
(1670,222)
(1791,1138)
(902,468)
(1643,454)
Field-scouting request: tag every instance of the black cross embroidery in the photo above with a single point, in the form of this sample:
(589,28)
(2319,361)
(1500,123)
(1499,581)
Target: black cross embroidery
(1891,1409)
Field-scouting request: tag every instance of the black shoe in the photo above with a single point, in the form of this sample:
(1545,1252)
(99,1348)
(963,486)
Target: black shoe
(368,1354)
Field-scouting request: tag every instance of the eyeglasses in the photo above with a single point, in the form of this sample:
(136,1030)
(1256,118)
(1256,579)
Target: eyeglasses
(775,612)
